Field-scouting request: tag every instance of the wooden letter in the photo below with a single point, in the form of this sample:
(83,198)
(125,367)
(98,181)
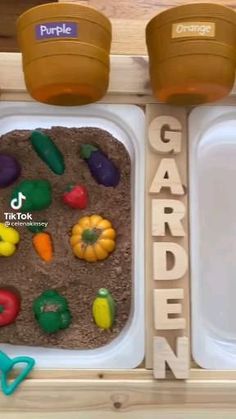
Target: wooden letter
(163,307)
(179,364)
(167,176)
(160,261)
(160,217)
(165,134)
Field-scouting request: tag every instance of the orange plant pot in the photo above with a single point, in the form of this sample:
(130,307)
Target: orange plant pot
(192,52)
(65,53)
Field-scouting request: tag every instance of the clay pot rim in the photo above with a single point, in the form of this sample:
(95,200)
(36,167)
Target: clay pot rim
(80,49)
(50,11)
(191,10)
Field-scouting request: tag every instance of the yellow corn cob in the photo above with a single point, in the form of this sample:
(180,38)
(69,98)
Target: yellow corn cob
(104,309)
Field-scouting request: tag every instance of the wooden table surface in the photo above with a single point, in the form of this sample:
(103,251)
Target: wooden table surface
(129,18)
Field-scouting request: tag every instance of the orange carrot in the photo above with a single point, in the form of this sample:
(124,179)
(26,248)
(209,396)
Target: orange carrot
(43,245)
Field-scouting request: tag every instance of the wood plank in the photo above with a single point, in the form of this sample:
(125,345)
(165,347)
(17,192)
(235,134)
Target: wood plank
(153,160)
(139,374)
(136,81)
(9,12)
(95,397)
(142,9)
(128,36)
(167,413)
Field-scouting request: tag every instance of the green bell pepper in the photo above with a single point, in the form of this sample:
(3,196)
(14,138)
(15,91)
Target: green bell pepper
(38,194)
(52,312)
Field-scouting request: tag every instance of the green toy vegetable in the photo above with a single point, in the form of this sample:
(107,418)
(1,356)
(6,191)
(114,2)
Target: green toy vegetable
(51,311)
(38,227)
(38,194)
(48,152)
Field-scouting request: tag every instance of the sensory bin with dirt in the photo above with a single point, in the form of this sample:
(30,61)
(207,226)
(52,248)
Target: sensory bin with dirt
(66,276)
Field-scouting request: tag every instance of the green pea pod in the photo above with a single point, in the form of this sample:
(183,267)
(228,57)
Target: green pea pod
(48,152)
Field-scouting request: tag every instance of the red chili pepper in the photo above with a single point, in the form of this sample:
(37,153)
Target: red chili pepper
(9,306)
(76,196)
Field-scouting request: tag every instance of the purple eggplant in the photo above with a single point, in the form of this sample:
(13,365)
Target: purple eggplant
(101,167)
(10,170)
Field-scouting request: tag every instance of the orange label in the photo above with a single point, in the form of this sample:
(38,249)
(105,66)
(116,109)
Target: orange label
(193,29)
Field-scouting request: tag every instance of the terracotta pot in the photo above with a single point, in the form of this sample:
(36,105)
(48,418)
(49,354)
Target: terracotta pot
(192,51)
(65,51)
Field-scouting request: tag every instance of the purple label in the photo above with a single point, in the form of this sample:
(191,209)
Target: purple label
(56,30)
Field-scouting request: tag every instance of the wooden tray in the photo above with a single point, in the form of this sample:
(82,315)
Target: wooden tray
(83,393)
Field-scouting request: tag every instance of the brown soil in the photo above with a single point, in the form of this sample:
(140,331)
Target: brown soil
(76,280)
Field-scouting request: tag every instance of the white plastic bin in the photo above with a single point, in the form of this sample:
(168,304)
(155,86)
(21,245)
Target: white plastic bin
(212,171)
(127,124)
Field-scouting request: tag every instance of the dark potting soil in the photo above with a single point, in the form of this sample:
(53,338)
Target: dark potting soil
(75,279)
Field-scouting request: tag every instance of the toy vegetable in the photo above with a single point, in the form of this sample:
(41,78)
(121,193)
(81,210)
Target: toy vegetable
(38,194)
(76,196)
(37,227)
(104,309)
(10,170)
(93,238)
(43,245)
(9,306)
(9,238)
(48,152)
(52,312)
(101,167)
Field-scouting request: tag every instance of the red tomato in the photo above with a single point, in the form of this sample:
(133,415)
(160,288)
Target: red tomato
(76,196)
(9,306)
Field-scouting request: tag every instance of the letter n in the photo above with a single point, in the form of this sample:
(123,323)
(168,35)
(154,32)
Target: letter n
(163,354)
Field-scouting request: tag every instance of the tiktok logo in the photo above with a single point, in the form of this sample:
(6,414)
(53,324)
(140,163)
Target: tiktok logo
(17,203)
